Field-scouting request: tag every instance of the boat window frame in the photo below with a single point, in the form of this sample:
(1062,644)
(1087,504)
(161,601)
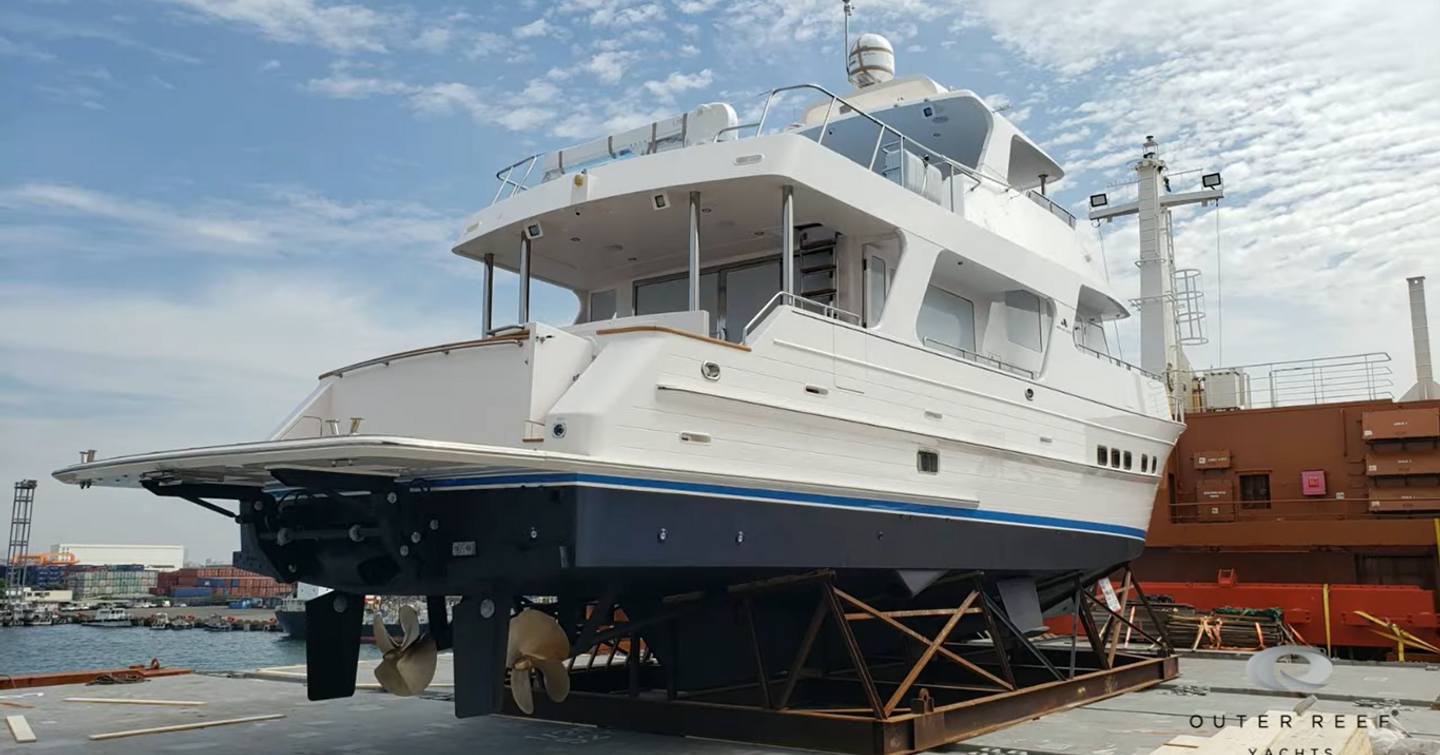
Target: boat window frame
(614,293)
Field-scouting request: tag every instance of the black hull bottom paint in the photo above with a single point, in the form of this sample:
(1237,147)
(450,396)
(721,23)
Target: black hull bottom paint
(577,539)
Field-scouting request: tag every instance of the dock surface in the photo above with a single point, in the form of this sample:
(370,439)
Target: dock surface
(376,723)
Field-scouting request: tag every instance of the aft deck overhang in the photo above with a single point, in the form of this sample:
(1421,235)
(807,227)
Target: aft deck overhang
(249,463)
(603,227)
(603,223)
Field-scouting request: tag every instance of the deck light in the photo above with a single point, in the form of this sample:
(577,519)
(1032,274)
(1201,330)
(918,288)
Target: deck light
(1099,200)
(534,231)
(659,201)
(1210,180)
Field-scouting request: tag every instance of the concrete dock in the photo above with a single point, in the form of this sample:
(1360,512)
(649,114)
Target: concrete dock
(375,723)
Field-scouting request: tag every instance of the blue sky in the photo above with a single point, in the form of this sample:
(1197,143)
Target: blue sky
(205,203)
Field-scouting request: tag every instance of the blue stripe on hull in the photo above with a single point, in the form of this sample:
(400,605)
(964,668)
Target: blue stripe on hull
(786,496)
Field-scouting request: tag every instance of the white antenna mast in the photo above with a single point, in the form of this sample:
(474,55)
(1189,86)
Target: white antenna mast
(848,10)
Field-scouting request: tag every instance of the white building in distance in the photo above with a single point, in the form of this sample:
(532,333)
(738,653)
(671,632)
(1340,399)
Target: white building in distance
(152,557)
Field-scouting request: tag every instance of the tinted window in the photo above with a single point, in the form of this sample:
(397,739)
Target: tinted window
(947,319)
(1022,319)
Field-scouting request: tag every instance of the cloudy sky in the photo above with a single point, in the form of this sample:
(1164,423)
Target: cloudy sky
(206,203)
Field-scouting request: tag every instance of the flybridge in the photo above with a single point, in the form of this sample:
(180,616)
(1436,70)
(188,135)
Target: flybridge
(704,124)
(883,143)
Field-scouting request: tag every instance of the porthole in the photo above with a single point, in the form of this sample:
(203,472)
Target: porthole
(1115,458)
(1128,460)
(1102,456)
(1144,462)
(927,462)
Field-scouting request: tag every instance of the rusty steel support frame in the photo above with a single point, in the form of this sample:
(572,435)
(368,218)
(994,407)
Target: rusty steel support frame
(893,706)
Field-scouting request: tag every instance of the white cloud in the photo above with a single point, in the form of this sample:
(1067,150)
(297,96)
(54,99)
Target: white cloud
(72,93)
(269,65)
(537,28)
(609,66)
(124,371)
(288,222)
(341,27)
(443,98)
(618,13)
(688,51)
(13,49)
(436,39)
(540,90)
(677,82)
(342,85)
(696,6)
(54,29)
(488,44)
(1326,125)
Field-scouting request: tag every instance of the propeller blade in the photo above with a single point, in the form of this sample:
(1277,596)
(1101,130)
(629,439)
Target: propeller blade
(557,679)
(382,637)
(388,675)
(520,689)
(537,641)
(416,666)
(410,623)
(536,634)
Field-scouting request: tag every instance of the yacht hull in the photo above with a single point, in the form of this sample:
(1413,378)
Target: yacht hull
(413,517)
(555,533)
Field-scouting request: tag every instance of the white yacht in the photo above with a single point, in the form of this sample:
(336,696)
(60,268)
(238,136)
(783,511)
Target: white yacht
(111,617)
(865,341)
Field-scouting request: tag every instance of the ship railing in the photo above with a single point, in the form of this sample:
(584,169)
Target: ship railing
(1117,361)
(1296,382)
(887,138)
(984,359)
(506,176)
(799,302)
(1049,204)
(517,176)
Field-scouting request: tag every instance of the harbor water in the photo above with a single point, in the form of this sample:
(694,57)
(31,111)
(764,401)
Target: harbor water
(75,647)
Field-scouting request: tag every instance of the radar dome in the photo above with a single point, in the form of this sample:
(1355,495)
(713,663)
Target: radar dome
(871,61)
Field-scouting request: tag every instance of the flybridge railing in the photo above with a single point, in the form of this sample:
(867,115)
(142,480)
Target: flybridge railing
(897,138)
(1296,382)
(505,175)
(1049,204)
(516,177)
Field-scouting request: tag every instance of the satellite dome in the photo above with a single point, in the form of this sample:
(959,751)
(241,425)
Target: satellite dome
(871,61)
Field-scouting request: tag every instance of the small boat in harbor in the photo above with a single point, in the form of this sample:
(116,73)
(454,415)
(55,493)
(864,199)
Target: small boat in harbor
(181,622)
(111,618)
(217,623)
(159,621)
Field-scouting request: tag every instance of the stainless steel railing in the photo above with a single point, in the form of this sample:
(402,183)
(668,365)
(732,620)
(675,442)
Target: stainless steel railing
(988,361)
(1049,204)
(505,174)
(1117,361)
(882,130)
(887,138)
(800,302)
(1295,382)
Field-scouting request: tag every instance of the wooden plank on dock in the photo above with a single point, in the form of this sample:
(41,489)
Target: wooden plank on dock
(185,727)
(20,729)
